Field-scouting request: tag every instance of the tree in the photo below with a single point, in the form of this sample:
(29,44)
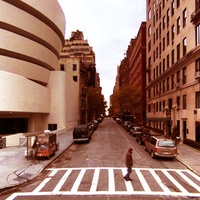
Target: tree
(128,98)
(96,103)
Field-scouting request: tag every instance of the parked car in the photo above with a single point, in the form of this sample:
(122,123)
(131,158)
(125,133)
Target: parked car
(127,126)
(96,124)
(135,130)
(159,146)
(82,133)
(99,119)
(142,137)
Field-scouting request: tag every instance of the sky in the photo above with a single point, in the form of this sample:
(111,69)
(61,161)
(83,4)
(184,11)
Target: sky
(108,25)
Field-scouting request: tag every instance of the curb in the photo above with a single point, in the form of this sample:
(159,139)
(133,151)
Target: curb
(9,188)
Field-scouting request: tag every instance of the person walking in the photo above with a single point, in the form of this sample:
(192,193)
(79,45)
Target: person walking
(129,164)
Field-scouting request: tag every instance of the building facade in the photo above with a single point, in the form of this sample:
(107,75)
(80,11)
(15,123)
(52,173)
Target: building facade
(78,60)
(132,71)
(173,63)
(33,93)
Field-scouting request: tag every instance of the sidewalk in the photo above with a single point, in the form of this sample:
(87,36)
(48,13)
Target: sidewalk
(16,169)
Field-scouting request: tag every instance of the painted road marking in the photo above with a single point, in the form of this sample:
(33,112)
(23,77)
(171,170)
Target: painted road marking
(164,178)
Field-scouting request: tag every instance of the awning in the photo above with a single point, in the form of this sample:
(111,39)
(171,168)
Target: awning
(160,119)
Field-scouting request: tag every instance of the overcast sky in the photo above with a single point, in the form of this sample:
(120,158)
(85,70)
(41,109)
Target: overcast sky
(108,25)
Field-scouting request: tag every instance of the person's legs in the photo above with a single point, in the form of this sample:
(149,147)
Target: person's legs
(127,176)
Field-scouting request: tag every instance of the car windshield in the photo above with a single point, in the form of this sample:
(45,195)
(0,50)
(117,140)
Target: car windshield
(165,143)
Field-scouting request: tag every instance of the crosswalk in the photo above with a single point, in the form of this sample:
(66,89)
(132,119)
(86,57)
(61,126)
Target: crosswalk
(109,181)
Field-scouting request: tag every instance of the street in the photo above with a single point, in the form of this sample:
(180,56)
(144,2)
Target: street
(95,170)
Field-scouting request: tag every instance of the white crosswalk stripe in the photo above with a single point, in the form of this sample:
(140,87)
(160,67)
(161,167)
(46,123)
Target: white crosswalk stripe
(170,182)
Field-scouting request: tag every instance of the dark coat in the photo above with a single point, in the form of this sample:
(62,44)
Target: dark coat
(129,159)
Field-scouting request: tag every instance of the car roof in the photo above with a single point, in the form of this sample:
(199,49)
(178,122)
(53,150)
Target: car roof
(160,137)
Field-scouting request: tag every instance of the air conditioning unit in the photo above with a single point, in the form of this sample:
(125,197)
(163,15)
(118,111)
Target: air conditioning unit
(197,75)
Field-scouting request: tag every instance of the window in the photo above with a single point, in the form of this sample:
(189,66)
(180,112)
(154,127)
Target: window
(163,43)
(173,32)
(168,17)
(197,99)
(177,3)
(167,38)
(184,46)
(178,102)
(149,14)
(149,108)
(168,84)
(198,35)
(62,67)
(178,24)
(164,104)
(74,67)
(75,78)
(172,56)
(172,8)
(172,81)
(184,102)
(184,75)
(149,46)
(178,52)
(163,85)
(178,79)
(149,62)
(163,3)
(163,65)
(149,93)
(149,30)
(184,17)
(167,61)
(163,22)
(197,65)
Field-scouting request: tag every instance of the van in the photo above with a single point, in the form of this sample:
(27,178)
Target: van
(159,146)
(82,133)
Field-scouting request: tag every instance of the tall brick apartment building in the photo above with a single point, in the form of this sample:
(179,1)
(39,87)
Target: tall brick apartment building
(173,67)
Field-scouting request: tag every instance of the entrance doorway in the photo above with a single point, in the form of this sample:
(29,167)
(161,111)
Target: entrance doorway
(184,129)
(197,131)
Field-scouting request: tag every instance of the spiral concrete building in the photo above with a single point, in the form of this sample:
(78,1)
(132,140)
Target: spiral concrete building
(32,92)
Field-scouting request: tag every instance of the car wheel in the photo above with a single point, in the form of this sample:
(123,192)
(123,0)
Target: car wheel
(152,154)
(140,143)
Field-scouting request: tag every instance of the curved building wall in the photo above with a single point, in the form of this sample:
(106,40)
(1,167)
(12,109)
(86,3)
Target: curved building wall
(32,37)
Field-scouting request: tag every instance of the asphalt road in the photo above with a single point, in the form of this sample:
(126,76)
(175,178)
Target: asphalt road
(95,170)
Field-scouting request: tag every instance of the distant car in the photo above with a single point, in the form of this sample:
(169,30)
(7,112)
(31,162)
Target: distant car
(82,132)
(159,146)
(126,125)
(99,119)
(95,123)
(135,130)
(142,137)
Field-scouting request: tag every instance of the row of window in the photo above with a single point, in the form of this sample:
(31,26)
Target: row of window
(161,105)
(170,83)
(157,11)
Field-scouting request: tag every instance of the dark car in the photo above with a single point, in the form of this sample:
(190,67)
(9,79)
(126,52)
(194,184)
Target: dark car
(142,137)
(82,133)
